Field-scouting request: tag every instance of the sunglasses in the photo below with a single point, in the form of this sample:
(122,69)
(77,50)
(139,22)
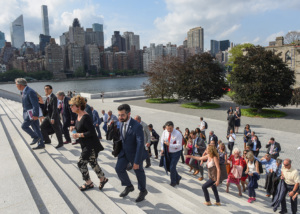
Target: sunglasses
(286,164)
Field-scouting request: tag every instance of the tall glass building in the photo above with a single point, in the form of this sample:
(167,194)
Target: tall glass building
(44,10)
(97,27)
(2,39)
(17,32)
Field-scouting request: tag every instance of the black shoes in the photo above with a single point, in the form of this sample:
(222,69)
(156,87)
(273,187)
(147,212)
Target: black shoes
(173,185)
(59,145)
(141,196)
(179,181)
(127,191)
(283,211)
(148,165)
(47,142)
(34,141)
(38,147)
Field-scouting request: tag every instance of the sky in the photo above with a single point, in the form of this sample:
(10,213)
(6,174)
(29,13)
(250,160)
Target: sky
(160,21)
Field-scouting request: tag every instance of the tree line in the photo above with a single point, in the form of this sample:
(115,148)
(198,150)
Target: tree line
(259,78)
(11,75)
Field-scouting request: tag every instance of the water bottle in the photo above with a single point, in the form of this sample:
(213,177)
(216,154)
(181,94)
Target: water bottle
(73,138)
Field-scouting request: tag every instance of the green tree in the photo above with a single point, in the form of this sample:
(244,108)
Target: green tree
(261,79)
(79,72)
(235,52)
(161,78)
(200,78)
(296,97)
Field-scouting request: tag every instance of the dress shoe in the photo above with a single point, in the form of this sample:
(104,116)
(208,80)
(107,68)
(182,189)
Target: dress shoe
(34,141)
(267,195)
(47,142)
(59,145)
(66,142)
(127,191)
(156,157)
(283,211)
(200,179)
(179,181)
(173,185)
(148,165)
(75,142)
(38,147)
(141,196)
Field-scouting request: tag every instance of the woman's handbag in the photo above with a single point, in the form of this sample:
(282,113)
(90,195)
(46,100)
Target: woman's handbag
(237,170)
(228,168)
(212,173)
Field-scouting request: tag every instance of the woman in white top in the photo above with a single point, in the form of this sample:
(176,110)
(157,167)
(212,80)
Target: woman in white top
(214,173)
(253,173)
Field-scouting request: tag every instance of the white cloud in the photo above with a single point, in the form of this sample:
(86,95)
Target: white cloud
(256,40)
(229,31)
(273,36)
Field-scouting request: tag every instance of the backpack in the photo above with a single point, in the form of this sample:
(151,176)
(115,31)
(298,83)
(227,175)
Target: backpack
(261,170)
(206,126)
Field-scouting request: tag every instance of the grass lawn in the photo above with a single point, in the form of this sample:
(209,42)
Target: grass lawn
(203,106)
(266,113)
(230,94)
(158,100)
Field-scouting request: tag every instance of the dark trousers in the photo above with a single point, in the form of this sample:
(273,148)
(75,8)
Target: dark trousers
(34,131)
(46,126)
(294,203)
(154,143)
(210,183)
(174,158)
(196,164)
(182,157)
(104,127)
(123,176)
(98,131)
(66,133)
(148,161)
(230,147)
(255,153)
(251,192)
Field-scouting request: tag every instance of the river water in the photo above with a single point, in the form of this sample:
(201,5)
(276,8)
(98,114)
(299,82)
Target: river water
(88,86)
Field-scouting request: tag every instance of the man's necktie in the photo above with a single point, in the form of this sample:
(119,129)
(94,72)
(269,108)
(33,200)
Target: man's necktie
(62,107)
(124,130)
(48,100)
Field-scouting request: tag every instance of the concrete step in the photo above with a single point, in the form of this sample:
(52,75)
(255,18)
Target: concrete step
(15,194)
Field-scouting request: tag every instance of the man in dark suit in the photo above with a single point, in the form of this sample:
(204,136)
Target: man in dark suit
(133,151)
(68,117)
(52,120)
(273,148)
(212,137)
(231,121)
(30,104)
(96,122)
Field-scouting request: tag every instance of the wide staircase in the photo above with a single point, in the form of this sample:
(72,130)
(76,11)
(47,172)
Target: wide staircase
(47,180)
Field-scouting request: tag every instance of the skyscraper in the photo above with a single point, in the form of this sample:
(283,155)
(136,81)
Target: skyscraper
(224,45)
(131,40)
(214,47)
(17,32)
(97,27)
(2,39)
(44,41)
(44,10)
(196,38)
(117,41)
(77,33)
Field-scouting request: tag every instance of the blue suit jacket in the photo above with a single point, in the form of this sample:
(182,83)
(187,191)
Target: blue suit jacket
(96,118)
(30,101)
(133,147)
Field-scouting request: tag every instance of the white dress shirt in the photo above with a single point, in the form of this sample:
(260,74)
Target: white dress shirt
(105,117)
(175,141)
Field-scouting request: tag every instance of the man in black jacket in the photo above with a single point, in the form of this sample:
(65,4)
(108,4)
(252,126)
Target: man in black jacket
(212,137)
(52,120)
(231,121)
(273,148)
(68,117)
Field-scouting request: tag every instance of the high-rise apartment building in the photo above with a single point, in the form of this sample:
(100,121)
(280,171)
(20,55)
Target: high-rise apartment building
(94,37)
(75,57)
(45,19)
(54,59)
(17,32)
(7,53)
(2,39)
(92,57)
(131,40)
(195,38)
(76,33)
(117,41)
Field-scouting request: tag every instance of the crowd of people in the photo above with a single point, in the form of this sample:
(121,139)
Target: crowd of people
(133,139)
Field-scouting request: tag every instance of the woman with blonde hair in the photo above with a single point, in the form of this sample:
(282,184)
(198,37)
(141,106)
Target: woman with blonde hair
(253,173)
(214,174)
(89,143)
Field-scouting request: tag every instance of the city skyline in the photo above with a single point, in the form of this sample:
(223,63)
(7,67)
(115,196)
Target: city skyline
(160,21)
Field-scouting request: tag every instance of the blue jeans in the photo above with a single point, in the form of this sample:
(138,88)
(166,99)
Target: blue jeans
(174,158)
(105,127)
(35,132)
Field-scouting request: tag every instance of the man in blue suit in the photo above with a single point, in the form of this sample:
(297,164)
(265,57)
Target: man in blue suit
(133,151)
(31,106)
(96,121)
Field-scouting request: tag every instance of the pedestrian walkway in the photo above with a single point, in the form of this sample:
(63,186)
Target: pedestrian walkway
(46,181)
